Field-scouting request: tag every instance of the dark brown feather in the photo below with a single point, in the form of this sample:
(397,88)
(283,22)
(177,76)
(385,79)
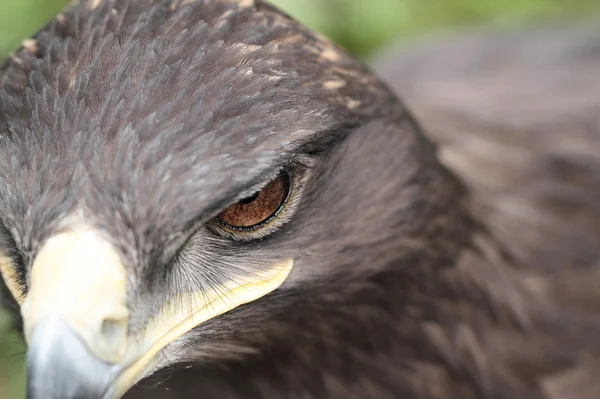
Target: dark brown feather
(516,115)
(406,285)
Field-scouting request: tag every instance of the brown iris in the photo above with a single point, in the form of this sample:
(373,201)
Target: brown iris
(254,211)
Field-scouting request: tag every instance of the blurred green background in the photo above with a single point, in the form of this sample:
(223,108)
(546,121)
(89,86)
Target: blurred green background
(362,26)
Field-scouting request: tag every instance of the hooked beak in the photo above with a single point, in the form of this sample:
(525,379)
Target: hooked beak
(59,365)
(76,319)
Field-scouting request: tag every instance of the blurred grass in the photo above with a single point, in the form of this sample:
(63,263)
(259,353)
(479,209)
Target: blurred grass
(359,25)
(362,25)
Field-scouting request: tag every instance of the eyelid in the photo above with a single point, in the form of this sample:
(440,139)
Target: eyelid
(301,164)
(298,172)
(281,208)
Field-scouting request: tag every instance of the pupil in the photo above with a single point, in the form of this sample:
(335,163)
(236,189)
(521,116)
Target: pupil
(249,199)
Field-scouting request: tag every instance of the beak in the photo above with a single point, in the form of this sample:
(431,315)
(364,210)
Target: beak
(76,319)
(59,365)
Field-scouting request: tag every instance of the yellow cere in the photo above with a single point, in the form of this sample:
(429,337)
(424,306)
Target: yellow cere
(176,318)
(79,277)
(10,278)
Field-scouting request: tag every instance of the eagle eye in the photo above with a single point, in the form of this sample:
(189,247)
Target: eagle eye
(258,211)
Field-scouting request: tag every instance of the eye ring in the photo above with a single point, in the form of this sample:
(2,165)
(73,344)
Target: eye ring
(256,216)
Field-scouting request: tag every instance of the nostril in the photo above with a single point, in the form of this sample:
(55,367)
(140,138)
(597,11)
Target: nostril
(112,330)
(113,333)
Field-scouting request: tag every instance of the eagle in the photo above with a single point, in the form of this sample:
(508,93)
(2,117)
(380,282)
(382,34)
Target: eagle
(205,199)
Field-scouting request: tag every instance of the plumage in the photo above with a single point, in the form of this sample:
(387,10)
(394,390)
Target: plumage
(515,114)
(145,119)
